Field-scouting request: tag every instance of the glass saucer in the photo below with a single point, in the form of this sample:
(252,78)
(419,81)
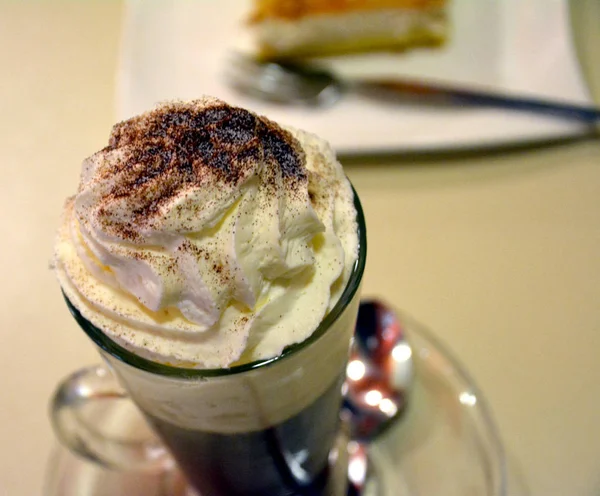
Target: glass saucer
(445,443)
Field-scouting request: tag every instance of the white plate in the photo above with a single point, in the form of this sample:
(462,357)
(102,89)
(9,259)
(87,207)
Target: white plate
(179,49)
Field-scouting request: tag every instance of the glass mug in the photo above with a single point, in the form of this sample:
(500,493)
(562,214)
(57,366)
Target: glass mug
(262,428)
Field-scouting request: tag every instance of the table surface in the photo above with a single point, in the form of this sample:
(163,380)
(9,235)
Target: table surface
(499,254)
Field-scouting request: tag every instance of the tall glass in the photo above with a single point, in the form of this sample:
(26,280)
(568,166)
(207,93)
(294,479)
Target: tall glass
(263,428)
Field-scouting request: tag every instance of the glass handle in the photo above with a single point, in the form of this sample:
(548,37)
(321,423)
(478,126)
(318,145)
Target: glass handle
(91,387)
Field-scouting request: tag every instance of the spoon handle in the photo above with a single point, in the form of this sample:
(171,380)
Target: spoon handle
(442,93)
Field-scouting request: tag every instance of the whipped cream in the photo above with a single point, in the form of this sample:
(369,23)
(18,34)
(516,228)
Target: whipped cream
(204,235)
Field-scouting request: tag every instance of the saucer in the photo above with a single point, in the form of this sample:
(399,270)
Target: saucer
(444,443)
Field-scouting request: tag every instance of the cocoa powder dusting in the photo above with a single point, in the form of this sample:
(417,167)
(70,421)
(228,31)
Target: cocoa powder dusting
(182,146)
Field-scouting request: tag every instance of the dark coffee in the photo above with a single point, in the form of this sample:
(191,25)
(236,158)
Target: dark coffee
(287,459)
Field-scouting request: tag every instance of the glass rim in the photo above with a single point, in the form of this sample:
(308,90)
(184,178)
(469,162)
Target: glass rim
(128,357)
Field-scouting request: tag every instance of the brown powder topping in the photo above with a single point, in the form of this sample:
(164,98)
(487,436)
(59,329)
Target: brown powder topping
(185,145)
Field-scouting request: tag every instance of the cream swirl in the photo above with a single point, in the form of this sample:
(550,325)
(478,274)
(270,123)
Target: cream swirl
(205,235)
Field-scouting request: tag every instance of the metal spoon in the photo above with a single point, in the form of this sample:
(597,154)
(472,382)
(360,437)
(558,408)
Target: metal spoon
(284,83)
(378,377)
(307,85)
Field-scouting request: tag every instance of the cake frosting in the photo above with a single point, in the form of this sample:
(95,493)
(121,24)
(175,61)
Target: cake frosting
(303,28)
(206,236)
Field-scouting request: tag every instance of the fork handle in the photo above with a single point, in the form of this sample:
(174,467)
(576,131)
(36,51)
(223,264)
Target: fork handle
(455,95)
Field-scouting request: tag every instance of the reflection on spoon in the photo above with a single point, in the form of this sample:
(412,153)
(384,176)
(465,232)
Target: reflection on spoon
(378,376)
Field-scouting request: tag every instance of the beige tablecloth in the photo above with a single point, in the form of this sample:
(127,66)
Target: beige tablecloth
(498,254)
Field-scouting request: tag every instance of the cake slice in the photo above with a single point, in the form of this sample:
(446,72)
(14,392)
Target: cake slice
(298,28)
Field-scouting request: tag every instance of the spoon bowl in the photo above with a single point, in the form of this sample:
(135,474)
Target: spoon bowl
(283,83)
(378,378)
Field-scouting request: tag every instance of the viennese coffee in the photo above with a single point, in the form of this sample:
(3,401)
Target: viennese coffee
(205,237)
